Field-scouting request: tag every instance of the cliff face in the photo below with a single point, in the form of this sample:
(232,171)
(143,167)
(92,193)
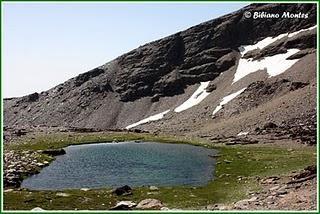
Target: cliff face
(163,74)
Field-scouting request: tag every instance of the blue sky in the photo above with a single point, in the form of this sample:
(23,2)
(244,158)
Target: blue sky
(45,44)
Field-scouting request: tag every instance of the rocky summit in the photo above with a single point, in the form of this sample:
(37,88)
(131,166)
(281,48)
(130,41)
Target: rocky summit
(223,77)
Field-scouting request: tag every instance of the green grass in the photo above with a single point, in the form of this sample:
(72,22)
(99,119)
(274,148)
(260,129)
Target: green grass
(246,161)
(60,140)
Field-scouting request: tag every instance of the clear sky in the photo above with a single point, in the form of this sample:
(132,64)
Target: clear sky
(45,44)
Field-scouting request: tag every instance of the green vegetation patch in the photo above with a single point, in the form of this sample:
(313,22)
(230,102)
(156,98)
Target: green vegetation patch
(60,140)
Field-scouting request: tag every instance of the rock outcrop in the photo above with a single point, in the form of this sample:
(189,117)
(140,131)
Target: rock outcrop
(162,74)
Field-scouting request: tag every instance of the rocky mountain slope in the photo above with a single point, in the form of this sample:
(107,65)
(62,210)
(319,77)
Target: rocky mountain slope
(223,77)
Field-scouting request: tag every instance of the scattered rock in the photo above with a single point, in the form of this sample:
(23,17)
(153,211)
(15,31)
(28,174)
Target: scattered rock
(84,77)
(124,190)
(18,164)
(20,132)
(281,192)
(211,87)
(214,156)
(270,180)
(302,53)
(243,204)
(124,205)
(242,133)
(54,152)
(218,207)
(152,193)
(153,188)
(227,161)
(274,188)
(241,141)
(62,194)
(155,98)
(164,209)
(269,125)
(37,209)
(40,164)
(149,204)
(310,170)
(252,199)
(283,188)
(31,97)
(46,162)
(308,173)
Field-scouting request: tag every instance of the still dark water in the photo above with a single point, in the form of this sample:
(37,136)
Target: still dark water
(126,163)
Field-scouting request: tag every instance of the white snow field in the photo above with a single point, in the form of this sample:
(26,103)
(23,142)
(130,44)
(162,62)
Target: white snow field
(227,99)
(199,95)
(148,119)
(274,65)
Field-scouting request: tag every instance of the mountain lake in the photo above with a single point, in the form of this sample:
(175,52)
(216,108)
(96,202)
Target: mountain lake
(126,163)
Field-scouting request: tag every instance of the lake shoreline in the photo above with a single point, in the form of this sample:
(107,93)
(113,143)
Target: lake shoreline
(112,165)
(229,170)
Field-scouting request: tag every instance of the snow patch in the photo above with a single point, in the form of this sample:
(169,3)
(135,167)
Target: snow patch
(299,31)
(199,95)
(269,40)
(227,99)
(261,44)
(148,119)
(274,65)
(242,133)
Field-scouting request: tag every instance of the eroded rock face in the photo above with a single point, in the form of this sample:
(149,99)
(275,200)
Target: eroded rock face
(201,53)
(258,93)
(163,68)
